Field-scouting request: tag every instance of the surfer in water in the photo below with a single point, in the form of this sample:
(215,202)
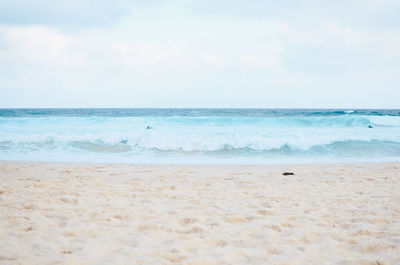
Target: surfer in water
(149,128)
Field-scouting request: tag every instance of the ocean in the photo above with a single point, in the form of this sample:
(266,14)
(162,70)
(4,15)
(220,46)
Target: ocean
(217,136)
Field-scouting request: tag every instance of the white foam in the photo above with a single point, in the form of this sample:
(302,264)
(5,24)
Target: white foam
(26,137)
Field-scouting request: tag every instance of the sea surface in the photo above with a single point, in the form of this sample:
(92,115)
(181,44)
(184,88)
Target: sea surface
(242,136)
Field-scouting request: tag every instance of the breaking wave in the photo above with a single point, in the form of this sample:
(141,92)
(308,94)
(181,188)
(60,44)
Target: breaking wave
(176,138)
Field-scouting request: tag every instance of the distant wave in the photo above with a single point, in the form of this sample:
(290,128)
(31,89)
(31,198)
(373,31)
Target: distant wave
(139,122)
(219,112)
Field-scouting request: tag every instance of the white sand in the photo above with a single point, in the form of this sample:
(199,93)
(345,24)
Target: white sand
(164,214)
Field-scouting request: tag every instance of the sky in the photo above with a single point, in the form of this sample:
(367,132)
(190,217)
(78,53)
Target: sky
(200,53)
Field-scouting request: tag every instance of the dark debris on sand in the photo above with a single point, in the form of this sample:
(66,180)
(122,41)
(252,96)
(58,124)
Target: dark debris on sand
(288,173)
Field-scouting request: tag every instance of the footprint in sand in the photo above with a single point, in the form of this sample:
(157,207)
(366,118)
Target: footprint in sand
(69,200)
(374,247)
(216,242)
(235,219)
(118,174)
(194,230)
(187,221)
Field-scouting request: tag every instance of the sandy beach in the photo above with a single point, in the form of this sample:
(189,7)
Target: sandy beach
(59,213)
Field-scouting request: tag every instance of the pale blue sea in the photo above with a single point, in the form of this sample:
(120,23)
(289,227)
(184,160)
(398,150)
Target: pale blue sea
(242,136)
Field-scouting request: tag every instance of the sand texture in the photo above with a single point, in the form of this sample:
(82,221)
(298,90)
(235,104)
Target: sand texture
(54,213)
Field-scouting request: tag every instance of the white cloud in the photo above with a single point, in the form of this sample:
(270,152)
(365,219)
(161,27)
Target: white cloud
(212,61)
(63,13)
(147,58)
(270,63)
(37,45)
(150,58)
(376,42)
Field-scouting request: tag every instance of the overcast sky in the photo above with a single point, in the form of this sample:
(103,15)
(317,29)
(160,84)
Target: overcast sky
(200,53)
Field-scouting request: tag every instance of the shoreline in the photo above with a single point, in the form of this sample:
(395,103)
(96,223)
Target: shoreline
(202,164)
(96,213)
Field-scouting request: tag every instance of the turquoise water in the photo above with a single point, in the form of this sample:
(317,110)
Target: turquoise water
(199,135)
